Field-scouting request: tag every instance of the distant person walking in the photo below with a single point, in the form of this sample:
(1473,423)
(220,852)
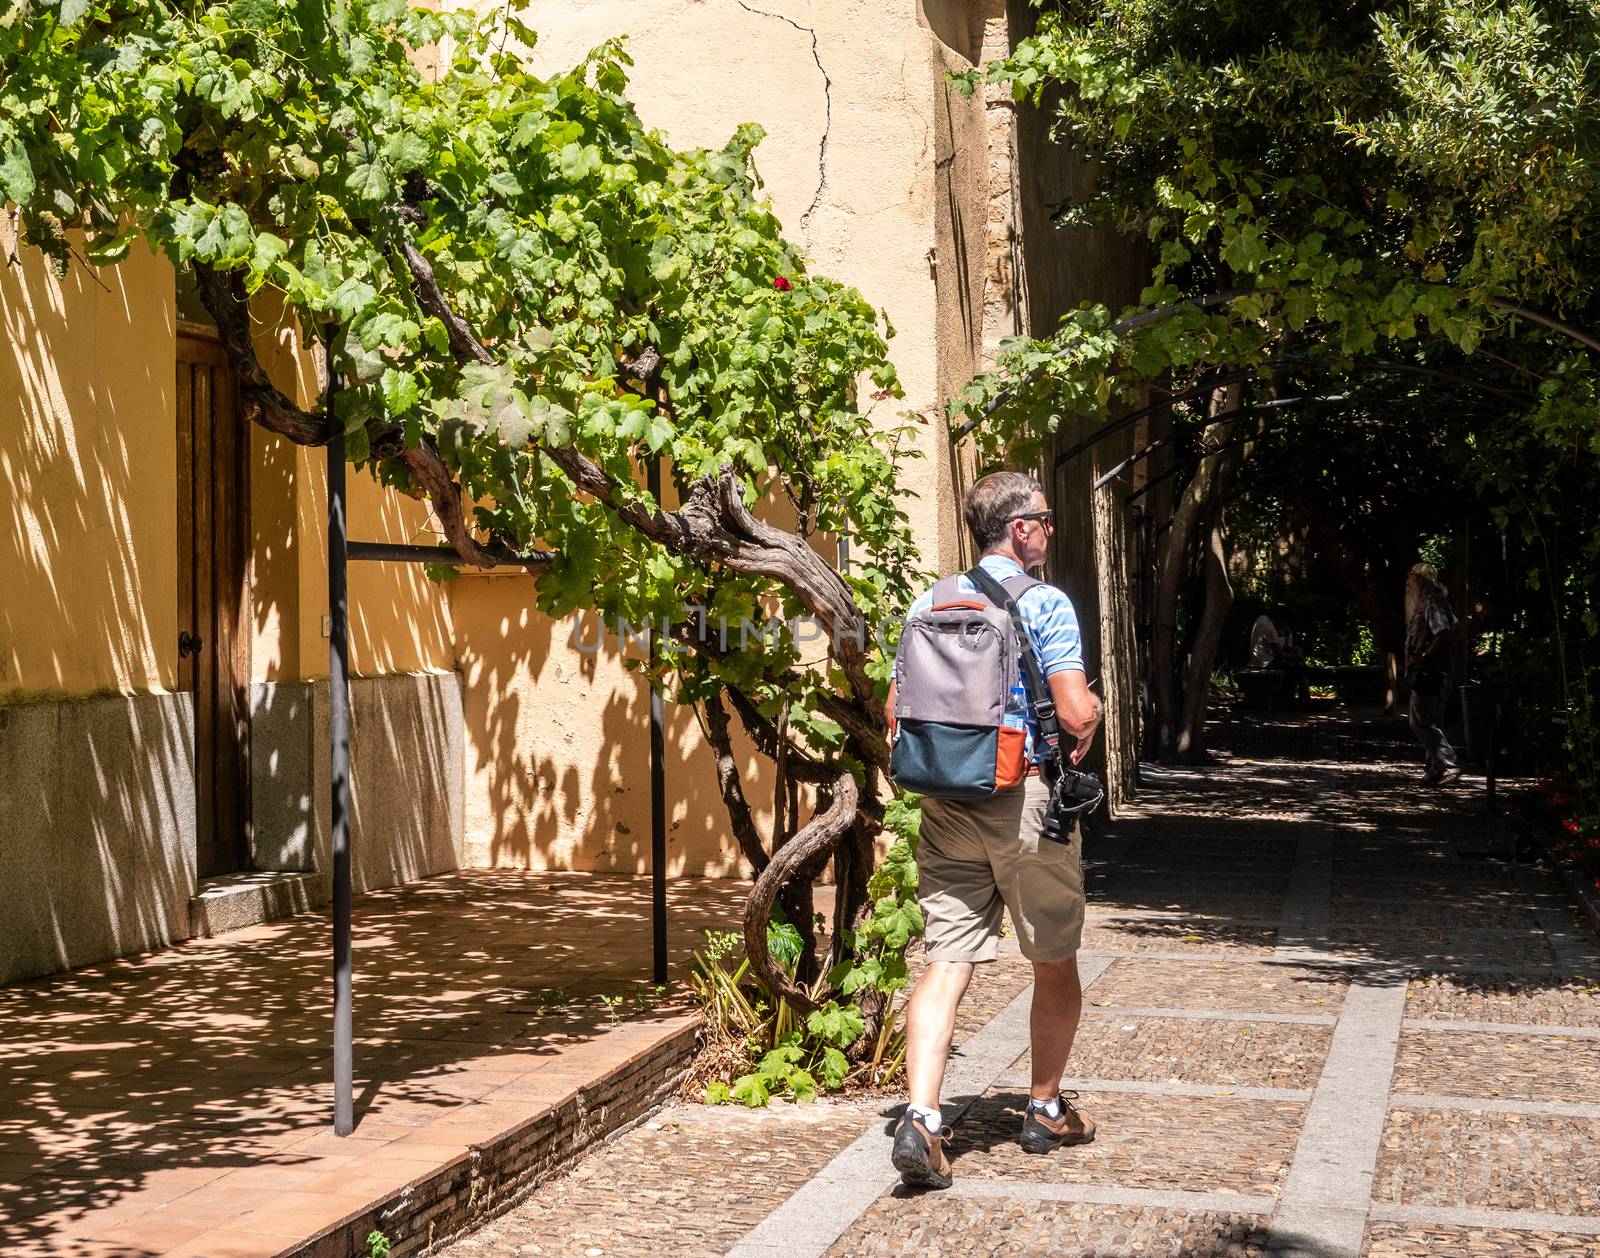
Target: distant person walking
(1430,629)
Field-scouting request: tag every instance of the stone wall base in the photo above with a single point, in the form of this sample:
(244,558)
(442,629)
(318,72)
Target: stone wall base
(97,813)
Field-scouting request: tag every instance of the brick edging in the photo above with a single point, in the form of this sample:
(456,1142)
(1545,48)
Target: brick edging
(490,1178)
(1542,837)
(1588,899)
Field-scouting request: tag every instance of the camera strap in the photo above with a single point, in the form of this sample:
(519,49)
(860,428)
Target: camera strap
(1044,708)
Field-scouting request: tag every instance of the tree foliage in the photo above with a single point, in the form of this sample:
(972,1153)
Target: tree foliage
(527,295)
(1334,197)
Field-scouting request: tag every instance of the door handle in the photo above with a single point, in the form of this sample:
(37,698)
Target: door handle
(189,644)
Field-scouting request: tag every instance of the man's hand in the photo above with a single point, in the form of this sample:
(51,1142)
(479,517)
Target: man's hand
(1077,708)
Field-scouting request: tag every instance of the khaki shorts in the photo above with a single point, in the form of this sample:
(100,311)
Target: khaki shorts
(979,855)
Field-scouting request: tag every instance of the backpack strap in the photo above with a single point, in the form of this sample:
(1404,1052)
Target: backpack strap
(1044,708)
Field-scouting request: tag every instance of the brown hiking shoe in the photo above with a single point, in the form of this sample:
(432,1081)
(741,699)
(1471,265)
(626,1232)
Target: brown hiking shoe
(1041,1133)
(919,1154)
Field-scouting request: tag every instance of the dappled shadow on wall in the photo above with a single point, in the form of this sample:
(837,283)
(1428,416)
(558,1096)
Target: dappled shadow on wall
(97,792)
(558,746)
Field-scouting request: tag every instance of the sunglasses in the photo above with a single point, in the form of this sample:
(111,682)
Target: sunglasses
(1046,517)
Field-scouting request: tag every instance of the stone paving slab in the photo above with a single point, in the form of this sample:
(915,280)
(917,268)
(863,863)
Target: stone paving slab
(994,986)
(1230,847)
(1003,1227)
(1152,864)
(1201,902)
(1437,948)
(1501,913)
(692,1180)
(1380,873)
(175,1102)
(1134,876)
(1113,1045)
(1138,1144)
(1392,869)
(1506,998)
(1523,1067)
(1418,1240)
(1217,985)
(1490,1161)
(1190,935)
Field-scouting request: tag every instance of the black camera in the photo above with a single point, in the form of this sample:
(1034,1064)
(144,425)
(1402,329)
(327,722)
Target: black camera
(1074,795)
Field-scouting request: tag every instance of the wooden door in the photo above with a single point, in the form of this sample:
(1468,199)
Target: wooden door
(214,599)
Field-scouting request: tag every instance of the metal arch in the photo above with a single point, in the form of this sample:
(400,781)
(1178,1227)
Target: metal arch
(1190,394)
(1339,402)
(1258,408)
(1122,325)
(1145,317)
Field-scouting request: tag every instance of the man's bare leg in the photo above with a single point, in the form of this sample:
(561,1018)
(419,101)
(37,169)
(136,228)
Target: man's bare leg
(931,1024)
(1052,1023)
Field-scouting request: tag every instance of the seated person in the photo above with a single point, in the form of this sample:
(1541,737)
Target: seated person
(1272,645)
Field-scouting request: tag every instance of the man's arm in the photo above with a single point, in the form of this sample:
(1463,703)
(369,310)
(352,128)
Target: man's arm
(1440,641)
(1077,708)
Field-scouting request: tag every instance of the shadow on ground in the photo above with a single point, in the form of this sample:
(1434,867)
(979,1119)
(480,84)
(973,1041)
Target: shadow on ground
(161,1072)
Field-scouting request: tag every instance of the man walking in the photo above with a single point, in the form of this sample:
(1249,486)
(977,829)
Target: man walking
(1430,629)
(978,857)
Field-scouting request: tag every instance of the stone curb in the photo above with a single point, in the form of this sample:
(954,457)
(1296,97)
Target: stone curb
(1540,836)
(1587,897)
(469,1189)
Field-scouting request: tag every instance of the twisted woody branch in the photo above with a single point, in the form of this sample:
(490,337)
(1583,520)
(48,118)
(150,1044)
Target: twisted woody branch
(714,526)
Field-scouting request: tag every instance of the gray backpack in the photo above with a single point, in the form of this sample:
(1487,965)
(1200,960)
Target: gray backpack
(957,664)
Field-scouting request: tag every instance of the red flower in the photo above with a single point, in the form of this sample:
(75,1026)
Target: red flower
(782,284)
(1570,826)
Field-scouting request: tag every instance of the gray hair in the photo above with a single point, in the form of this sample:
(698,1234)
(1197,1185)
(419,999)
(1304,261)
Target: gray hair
(1423,587)
(994,502)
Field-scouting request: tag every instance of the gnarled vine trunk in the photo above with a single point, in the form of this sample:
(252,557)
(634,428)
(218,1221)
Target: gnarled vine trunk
(1202,495)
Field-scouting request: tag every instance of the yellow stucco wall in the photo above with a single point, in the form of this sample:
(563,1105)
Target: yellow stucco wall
(557,757)
(88,555)
(88,472)
(869,163)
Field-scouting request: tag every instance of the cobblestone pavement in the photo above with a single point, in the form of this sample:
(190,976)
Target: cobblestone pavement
(1326,1017)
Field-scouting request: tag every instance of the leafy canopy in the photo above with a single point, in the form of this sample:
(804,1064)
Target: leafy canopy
(305,148)
(1361,178)
(1367,195)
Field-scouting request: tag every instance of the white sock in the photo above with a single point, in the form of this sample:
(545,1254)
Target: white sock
(1051,1107)
(932,1119)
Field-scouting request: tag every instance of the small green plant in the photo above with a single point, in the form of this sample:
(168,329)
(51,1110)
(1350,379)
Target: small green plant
(613,1006)
(553,998)
(377,1244)
(644,999)
(797,1056)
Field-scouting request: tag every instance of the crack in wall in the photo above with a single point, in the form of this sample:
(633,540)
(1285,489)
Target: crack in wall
(827,116)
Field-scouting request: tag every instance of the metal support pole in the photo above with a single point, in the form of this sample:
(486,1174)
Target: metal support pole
(339,736)
(1491,752)
(658,797)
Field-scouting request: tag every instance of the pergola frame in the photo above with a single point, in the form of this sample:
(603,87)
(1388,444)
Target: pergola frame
(340,551)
